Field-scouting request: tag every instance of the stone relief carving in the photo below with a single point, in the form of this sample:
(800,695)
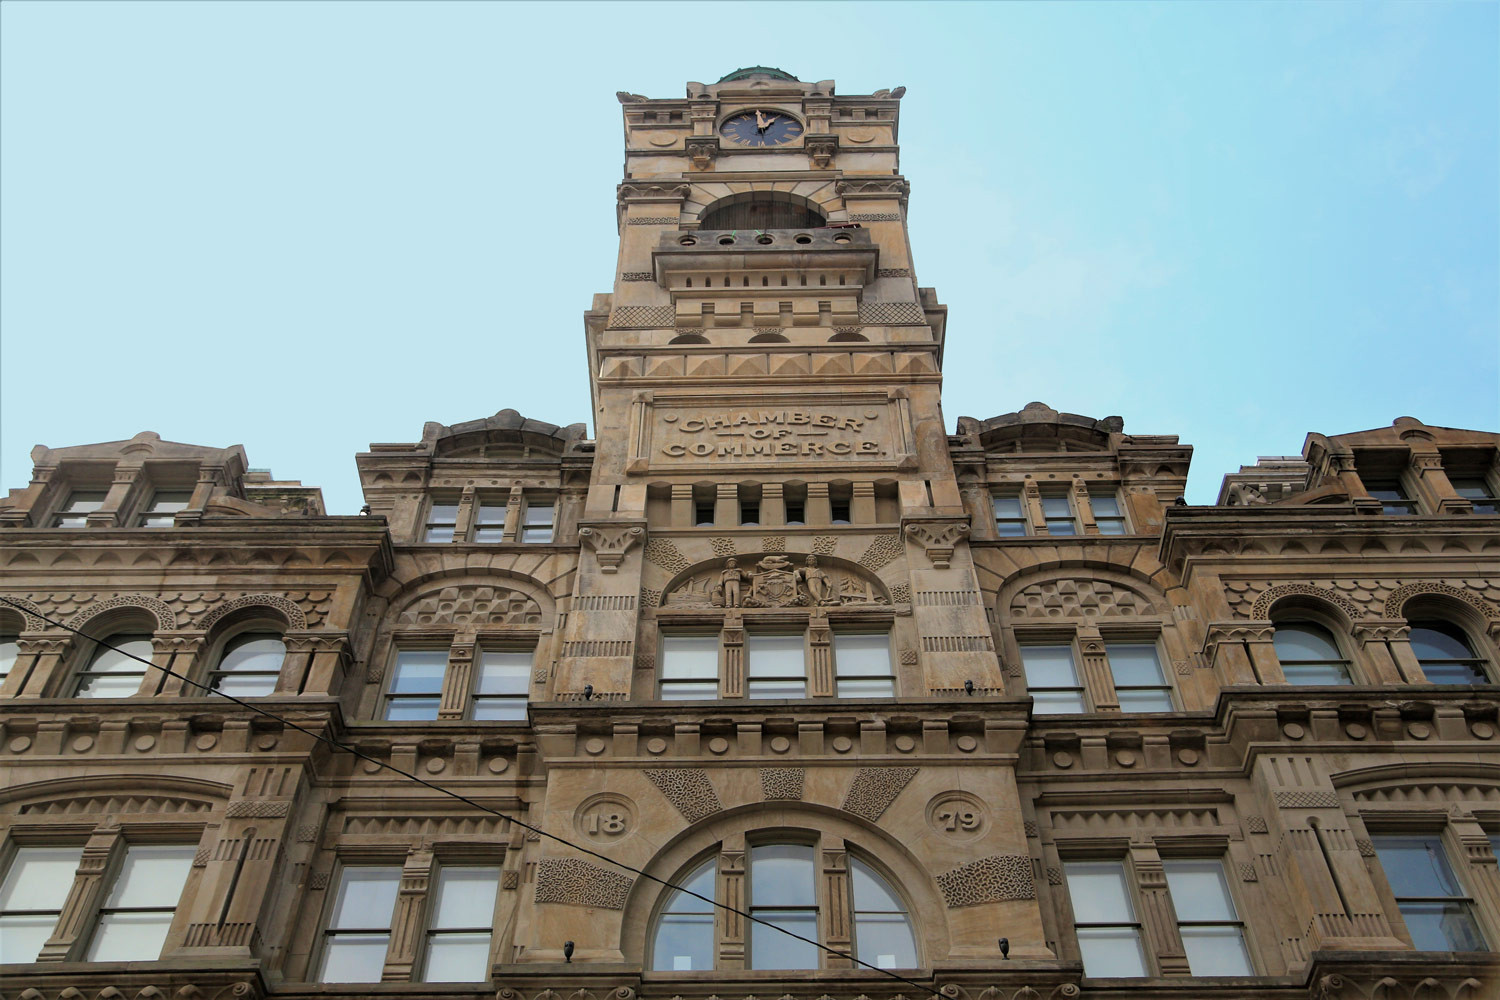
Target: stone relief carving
(1395,602)
(875,788)
(665,554)
(575,882)
(688,789)
(988,880)
(1078,598)
(471,604)
(774,581)
(1262,607)
(782,782)
(166,619)
(938,539)
(293,614)
(883,550)
(610,542)
(1375,597)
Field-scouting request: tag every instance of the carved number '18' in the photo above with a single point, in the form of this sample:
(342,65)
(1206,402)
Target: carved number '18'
(605,823)
(956,819)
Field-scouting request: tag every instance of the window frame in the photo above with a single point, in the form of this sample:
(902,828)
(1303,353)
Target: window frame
(474,698)
(1480,493)
(1402,503)
(430,522)
(667,634)
(1019,519)
(412,645)
(90,939)
(94,649)
(1300,616)
(246,632)
(1119,517)
(754,636)
(480,531)
(1475,661)
(149,512)
(1154,644)
(10,855)
(1227,883)
(65,514)
(839,676)
(525,526)
(1132,897)
(1425,832)
(1053,639)
(1073,520)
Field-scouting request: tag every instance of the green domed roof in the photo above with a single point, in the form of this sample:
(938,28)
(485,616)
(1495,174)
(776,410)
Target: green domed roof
(749,71)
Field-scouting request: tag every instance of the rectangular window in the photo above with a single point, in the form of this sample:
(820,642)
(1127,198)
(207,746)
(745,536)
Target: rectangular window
(1212,934)
(416,689)
(458,938)
(537,521)
(1478,493)
(31,899)
(164,505)
(442,519)
(501,683)
(1439,915)
(1010,517)
(1109,935)
(81,503)
(839,510)
(489,523)
(862,665)
(703,513)
(775,667)
(783,892)
(1052,679)
(1058,512)
(1140,684)
(1108,514)
(1392,495)
(749,512)
(689,667)
(135,917)
(796,511)
(359,927)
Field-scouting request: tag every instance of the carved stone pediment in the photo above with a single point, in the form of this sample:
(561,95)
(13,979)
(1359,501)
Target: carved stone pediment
(775,580)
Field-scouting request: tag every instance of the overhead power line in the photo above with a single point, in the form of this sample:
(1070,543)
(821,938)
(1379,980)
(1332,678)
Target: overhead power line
(470,802)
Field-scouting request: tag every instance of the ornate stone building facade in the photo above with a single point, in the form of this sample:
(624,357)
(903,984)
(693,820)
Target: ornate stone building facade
(989,714)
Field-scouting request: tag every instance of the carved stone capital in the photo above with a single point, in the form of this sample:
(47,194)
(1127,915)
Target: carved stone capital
(610,541)
(821,149)
(702,149)
(1242,631)
(873,187)
(938,539)
(316,642)
(1380,630)
(643,192)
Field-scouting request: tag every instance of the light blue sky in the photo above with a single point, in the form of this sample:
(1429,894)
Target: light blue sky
(305,227)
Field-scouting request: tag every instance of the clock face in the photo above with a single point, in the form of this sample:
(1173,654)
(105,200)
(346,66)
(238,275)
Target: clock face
(762,128)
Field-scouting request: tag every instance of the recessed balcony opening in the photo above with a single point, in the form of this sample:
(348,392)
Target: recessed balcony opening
(760,210)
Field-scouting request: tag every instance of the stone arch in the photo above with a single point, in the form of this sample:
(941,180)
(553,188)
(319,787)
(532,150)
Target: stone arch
(1348,611)
(113,794)
(1395,602)
(1096,592)
(820,196)
(415,569)
(469,599)
(1427,784)
(166,618)
(281,606)
(28,611)
(907,873)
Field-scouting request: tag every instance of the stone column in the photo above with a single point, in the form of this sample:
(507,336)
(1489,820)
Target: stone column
(818,511)
(512,530)
(1158,921)
(29,506)
(330,663)
(731,936)
(411,905)
(727,505)
(85,895)
(1085,508)
(772,505)
(1433,487)
(111,511)
(183,649)
(458,679)
(1469,844)
(1348,476)
(1031,503)
(837,902)
(1386,653)
(1241,653)
(1094,670)
(862,504)
(464,519)
(732,664)
(682,506)
(164,653)
(39,656)
(297,663)
(821,683)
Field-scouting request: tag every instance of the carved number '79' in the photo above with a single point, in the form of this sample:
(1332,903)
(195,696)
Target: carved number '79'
(965,819)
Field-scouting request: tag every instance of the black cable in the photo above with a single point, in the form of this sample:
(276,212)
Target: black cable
(466,800)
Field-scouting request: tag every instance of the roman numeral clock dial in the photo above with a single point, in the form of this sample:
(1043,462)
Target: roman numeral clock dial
(761,128)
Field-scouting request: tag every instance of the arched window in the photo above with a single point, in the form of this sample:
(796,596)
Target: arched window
(250,665)
(783,888)
(113,671)
(1446,655)
(760,211)
(1309,654)
(685,927)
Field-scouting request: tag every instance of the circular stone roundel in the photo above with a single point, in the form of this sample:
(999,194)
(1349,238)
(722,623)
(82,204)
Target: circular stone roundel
(606,818)
(957,815)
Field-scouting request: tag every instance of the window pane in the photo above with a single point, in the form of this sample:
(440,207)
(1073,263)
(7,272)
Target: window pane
(1104,506)
(84,501)
(1049,666)
(443,513)
(1100,894)
(22,937)
(366,898)
(770,949)
(775,656)
(1008,507)
(500,709)
(465,898)
(1144,700)
(1453,673)
(491,514)
(120,659)
(1442,927)
(701,882)
(1416,866)
(39,878)
(1306,674)
(1304,641)
(1111,951)
(412,709)
(689,690)
(1199,891)
(1432,640)
(777,687)
(110,685)
(782,875)
(1061,528)
(537,513)
(457,958)
(170,501)
(1216,951)
(436,535)
(419,671)
(1056,702)
(354,958)
(504,672)
(152,876)
(537,536)
(130,937)
(689,657)
(1056,507)
(856,654)
(684,941)
(1010,529)
(885,940)
(254,652)
(247,686)
(9,650)
(1134,664)
(867,687)
(871,892)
